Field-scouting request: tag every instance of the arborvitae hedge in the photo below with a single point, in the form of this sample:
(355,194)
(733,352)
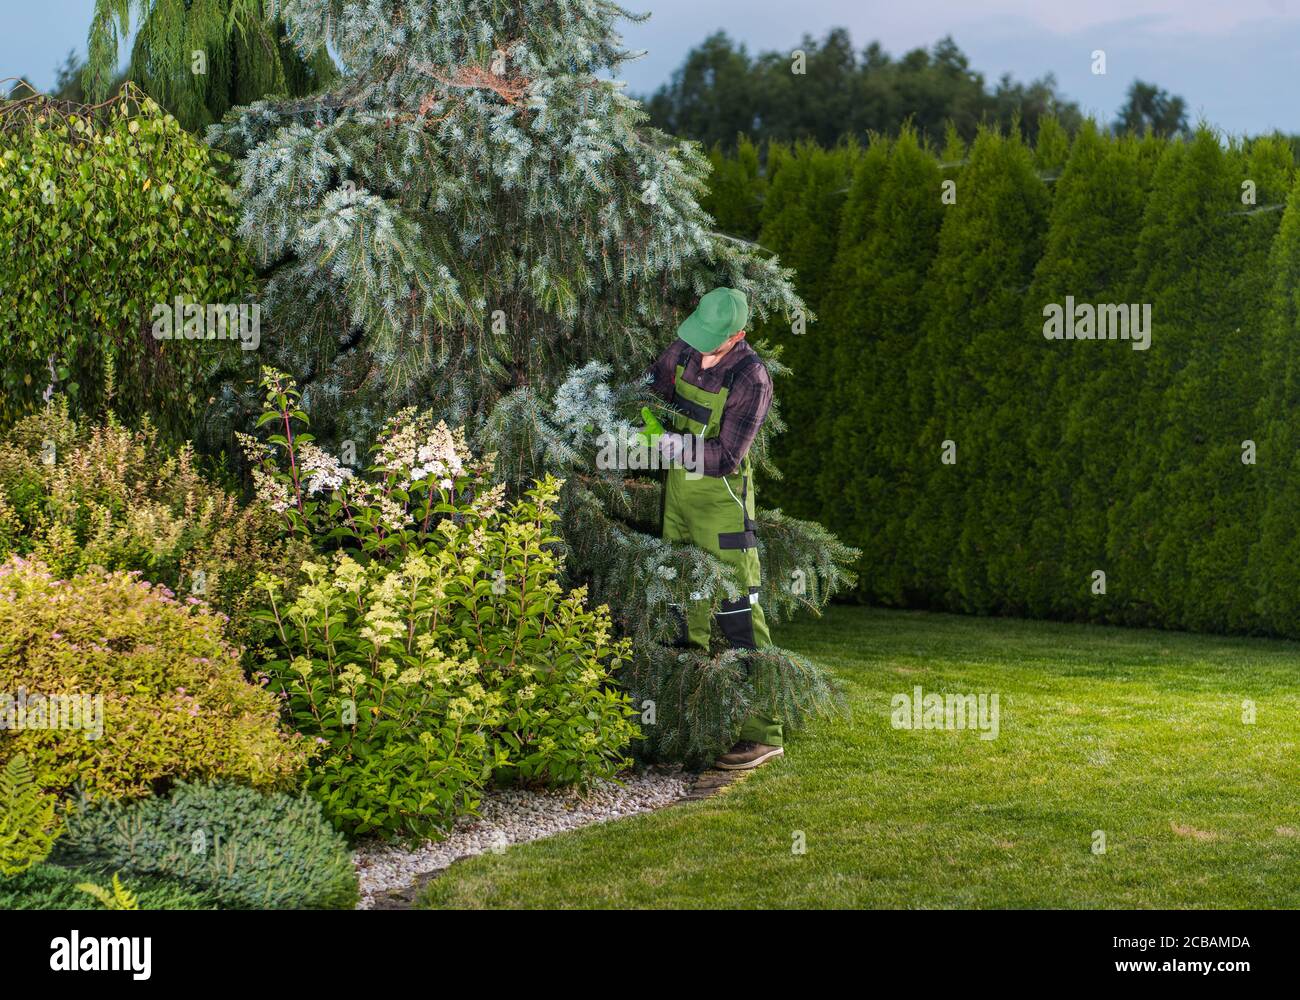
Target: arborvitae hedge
(1174,471)
(736,187)
(889,238)
(850,376)
(1215,500)
(1275,555)
(1185,263)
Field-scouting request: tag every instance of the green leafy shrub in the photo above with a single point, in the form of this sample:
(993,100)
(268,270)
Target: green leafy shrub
(28,826)
(76,496)
(227,842)
(439,647)
(117,210)
(405,724)
(159,695)
(55,887)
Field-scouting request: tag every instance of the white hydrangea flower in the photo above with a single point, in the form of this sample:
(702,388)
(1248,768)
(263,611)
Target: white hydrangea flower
(391,513)
(321,471)
(271,491)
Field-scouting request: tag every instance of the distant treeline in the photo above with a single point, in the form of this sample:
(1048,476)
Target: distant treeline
(980,465)
(721,91)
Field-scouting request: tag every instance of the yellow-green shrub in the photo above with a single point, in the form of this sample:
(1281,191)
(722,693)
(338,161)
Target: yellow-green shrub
(175,702)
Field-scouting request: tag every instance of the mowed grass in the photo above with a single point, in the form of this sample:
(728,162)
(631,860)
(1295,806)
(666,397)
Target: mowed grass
(1136,733)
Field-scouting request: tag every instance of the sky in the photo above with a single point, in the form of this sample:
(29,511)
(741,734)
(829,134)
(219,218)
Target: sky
(1235,63)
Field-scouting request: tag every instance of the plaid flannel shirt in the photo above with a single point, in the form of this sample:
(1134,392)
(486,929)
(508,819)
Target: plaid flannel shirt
(743,413)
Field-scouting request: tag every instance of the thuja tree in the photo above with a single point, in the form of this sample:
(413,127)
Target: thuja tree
(1003,229)
(736,190)
(970,447)
(845,377)
(1216,498)
(1075,441)
(1275,558)
(474,220)
(1185,263)
(888,243)
(199,58)
(800,223)
(1051,148)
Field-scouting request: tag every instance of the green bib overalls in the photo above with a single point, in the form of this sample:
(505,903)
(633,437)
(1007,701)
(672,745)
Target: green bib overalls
(717,514)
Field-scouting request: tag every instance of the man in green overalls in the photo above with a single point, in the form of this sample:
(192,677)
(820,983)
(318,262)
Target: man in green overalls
(719,392)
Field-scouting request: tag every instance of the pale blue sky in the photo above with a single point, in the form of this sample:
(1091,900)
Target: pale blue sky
(1235,63)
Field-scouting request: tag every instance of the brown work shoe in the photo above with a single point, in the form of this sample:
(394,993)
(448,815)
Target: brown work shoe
(747,754)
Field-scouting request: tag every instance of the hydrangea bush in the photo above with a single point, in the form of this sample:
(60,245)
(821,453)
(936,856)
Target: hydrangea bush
(434,648)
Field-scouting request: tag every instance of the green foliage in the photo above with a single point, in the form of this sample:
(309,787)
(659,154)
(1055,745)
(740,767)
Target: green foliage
(158,693)
(697,704)
(1096,220)
(737,188)
(1186,534)
(967,368)
(199,59)
(835,351)
(447,649)
(227,843)
(721,91)
(117,209)
(1275,558)
(28,827)
(74,495)
(1178,451)
(800,223)
(55,887)
(1052,147)
(403,724)
(872,324)
(117,897)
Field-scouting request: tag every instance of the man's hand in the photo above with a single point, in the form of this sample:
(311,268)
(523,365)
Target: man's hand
(671,447)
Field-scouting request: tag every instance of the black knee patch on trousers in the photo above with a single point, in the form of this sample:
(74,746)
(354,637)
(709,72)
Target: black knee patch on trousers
(736,619)
(683,637)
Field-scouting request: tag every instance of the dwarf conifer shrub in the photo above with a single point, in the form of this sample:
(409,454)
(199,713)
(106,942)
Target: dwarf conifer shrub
(228,843)
(56,887)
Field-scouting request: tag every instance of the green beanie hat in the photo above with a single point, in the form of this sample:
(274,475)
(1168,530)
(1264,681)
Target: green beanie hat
(721,313)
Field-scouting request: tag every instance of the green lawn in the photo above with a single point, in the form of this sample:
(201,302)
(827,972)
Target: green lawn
(1136,733)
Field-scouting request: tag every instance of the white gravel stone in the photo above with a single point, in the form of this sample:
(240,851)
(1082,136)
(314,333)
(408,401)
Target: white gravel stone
(514,816)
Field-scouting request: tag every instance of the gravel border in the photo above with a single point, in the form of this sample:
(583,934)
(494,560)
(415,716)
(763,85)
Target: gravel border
(511,816)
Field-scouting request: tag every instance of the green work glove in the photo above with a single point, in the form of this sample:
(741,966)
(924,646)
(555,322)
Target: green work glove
(650,434)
